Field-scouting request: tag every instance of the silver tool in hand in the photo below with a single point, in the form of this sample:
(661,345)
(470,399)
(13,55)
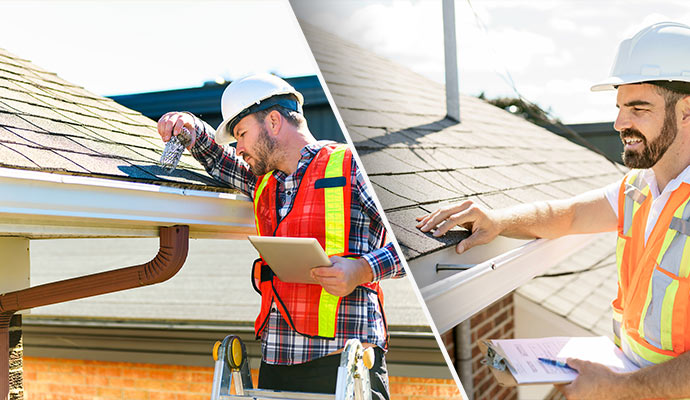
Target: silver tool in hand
(174,149)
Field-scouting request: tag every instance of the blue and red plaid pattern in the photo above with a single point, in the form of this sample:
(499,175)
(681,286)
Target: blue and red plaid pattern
(360,315)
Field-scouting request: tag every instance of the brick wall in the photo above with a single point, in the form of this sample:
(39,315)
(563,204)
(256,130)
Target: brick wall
(63,379)
(494,322)
(16,352)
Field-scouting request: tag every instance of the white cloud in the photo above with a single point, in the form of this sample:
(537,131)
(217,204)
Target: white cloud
(518,49)
(592,30)
(562,24)
(568,86)
(561,58)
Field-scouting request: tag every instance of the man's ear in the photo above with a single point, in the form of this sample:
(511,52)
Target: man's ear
(684,110)
(274,121)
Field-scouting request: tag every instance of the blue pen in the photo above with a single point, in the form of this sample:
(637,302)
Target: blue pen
(556,363)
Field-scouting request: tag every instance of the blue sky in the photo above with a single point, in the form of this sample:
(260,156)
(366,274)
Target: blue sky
(116,47)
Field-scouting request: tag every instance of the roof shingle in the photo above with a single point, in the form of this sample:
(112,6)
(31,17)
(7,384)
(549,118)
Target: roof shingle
(418,159)
(49,124)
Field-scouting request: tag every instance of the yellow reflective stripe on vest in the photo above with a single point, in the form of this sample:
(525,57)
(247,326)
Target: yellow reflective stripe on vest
(620,247)
(660,320)
(328,306)
(684,267)
(636,181)
(334,206)
(670,235)
(667,316)
(628,202)
(685,263)
(636,205)
(656,320)
(257,195)
(643,352)
(640,328)
(617,318)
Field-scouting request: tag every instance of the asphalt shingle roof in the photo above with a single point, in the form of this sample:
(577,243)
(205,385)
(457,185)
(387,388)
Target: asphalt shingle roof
(419,161)
(49,124)
(585,297)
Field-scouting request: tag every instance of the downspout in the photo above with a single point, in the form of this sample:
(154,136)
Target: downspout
(174,244)
(463,355)
(451,57)
(5,318)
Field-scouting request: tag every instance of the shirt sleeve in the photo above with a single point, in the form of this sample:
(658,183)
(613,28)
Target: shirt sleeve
(384,261)
(611,192)
(221,162)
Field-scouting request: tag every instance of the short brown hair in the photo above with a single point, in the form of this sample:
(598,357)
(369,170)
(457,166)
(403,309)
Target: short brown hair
(671,93)
(294,118)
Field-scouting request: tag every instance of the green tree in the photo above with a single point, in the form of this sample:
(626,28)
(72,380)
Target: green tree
(526,110)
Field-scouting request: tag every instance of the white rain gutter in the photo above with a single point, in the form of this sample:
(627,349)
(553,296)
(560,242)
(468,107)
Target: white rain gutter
(39,204)
(456,298)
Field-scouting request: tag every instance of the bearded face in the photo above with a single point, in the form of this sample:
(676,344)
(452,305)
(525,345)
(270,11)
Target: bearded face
(640,153)
(261,158)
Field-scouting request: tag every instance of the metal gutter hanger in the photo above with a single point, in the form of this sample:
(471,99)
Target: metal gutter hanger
(174,245)
(488,281)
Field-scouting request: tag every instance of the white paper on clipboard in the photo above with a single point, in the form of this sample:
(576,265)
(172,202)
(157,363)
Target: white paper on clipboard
(291,258)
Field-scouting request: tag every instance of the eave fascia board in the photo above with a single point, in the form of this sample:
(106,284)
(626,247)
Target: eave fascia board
(458,297)
(46,205)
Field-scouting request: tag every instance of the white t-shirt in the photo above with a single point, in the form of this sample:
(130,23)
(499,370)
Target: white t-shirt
(658,199)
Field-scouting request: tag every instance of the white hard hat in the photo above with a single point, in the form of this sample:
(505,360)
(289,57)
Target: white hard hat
(251,94)
(660,52)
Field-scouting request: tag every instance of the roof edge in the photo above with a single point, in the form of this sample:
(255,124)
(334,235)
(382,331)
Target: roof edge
(47,205)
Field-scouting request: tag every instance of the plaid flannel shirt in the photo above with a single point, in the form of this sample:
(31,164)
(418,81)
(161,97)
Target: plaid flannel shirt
(360,315)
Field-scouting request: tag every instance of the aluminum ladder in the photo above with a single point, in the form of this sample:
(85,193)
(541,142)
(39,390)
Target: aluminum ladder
(232,371)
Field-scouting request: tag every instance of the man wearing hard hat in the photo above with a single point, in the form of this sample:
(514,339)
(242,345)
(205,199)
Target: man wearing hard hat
(650,209)
(301,187)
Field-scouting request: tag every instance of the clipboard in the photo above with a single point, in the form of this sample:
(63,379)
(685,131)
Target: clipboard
(497,363)
(501,367)
(291,259)
(516,361)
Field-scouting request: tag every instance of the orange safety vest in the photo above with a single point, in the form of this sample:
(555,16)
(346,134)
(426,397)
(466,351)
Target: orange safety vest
(321,210)
(651,317)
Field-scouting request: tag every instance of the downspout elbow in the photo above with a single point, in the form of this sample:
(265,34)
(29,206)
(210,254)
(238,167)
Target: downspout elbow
(174,246)
(172,253)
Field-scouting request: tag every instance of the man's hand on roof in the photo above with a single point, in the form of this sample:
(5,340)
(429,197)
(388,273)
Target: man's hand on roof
(481,222)
(172,123)
(594,381)
(343,276)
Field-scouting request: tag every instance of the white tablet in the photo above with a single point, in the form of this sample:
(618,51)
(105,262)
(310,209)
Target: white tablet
(291,258)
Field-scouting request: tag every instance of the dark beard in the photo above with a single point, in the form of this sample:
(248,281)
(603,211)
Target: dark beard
(653,151)
(265,152)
